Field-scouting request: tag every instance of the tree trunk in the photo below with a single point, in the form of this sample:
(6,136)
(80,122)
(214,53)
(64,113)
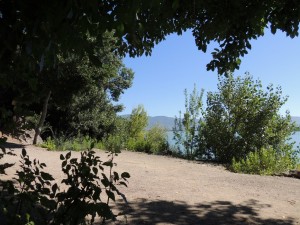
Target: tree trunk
(38,128)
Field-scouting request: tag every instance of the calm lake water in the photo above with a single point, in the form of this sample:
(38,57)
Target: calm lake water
(295,138)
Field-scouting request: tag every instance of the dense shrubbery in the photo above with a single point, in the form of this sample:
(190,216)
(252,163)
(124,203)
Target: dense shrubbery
(266,161)
(135,136)
(63,143)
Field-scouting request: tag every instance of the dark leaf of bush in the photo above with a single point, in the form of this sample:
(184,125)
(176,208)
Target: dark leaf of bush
(37,171)
(38,187)
(123,183)
(116,176)
(42,165)
(49,204)
(64,163)
(4,166)
(61,197)
(73,161)
(68,155)
(23,152)
(95,170)
(62,157)
(54,188)
(125,175)
(96,194)
(104,211)
(45,191)
(41,180)
(105,180)
(108,163)
(46,176)
(111,195)
(92,152)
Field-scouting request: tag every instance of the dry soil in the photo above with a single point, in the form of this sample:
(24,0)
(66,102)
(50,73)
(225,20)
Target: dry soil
(165,190)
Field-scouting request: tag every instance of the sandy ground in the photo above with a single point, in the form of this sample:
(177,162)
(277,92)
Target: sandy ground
(164,190)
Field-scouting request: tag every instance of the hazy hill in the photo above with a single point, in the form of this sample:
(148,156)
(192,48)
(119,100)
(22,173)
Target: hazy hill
(296,119)
(167,122)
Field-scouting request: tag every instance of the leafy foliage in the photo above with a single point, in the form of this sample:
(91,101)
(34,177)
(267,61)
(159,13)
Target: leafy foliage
(243,118)
(64,143)
(92,109)
(37,200)
(35,42)
(65,27)
(186,129)
(138,138)
(156,137)
(137,122)
(266,162)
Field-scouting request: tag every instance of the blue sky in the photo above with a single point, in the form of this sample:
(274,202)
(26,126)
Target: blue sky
(176,64)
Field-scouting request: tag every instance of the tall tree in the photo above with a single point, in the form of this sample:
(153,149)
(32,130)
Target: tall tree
(186,129)
(138,121)
(90,108)
(242,117)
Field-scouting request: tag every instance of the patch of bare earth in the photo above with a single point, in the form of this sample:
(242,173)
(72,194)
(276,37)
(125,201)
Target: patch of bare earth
(165,190)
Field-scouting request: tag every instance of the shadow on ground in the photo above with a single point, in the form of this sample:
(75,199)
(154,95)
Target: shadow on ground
(210,213)
(12,145)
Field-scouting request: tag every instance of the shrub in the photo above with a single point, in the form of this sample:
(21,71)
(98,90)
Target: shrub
(35,199)
(156,139)
(266,161)
(74,144)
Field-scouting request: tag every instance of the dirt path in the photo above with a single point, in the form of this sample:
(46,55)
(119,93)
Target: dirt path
(166,190)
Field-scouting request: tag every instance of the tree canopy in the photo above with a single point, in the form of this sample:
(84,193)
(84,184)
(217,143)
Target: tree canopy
(35,34)
(37,31)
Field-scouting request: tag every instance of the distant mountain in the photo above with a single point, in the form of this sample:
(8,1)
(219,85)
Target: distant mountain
(167,122)
(296,119)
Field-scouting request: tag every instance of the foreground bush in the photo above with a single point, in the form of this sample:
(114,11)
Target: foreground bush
(35,198)
(267,161)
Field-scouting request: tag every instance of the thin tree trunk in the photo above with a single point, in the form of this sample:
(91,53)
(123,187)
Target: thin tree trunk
(38,128)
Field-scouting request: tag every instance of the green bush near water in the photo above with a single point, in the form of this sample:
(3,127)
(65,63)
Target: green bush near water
(267,161)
